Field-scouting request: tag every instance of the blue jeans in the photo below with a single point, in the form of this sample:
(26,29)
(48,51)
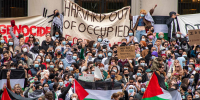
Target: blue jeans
(139,34)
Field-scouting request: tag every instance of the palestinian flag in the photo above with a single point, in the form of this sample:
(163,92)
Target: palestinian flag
(156,90)
(161,26)
(100,90)
(9,95)
(17,76)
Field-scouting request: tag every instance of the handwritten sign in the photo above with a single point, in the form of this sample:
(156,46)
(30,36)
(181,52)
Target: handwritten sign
(194,37)
(87,77)
(126,52)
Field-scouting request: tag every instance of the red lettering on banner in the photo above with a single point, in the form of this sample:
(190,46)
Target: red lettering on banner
(42,31)
(31,30)
(38,31)
(8,29)
(48,30)
(25,30)
(19,30)
(2,29)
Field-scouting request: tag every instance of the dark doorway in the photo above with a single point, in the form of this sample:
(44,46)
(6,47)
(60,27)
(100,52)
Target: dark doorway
(103,6)
(13,8)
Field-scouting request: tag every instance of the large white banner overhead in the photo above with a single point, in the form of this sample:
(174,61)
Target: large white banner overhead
(189,22)
(36,25)
(82,23)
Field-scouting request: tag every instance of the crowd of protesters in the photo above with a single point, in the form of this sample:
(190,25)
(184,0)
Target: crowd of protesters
(51,64)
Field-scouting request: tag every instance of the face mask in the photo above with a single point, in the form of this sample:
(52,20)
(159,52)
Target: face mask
(41,54)
(196,96)
(142,89)
(153,57)
(63,42)
(125,68)
(189,69)
(140,81)
(10,43)
(115,70)
(12,68)
(137,55)
(92,72)
(59,52)
(149,74)
(126,75)
(93,53)
(198,56)
(109,54)
(150,37)
(197,68)
(101,68)
(61,66)
(94,45)
(46,88)
(56,35)
(142,15)
(39,60)
(191,80)
(25,50)
(184,55)
(130,34)
(36,65)
(150,46)
(139,74)
(191,63)
(99,39)
(112,76)
(57,14)
(70,41)
(143,39)
(178,35)
(74,57)
(152,30)
(70,79)
(2,41)
(100,55)
(115,51)
(104,50)
(61,83)
(51,66)
(142,64)
(71,68)
(23,59)
(131,90)
(161,36)
(74,99)
(47,60)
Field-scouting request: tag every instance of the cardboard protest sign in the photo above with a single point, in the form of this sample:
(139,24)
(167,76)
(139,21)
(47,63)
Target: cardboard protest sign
(85,24)
(125,52)
(87,77)
(194,37)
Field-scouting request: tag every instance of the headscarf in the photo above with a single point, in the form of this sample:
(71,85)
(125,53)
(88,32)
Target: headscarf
(144,43)
(69,57)
(155,53)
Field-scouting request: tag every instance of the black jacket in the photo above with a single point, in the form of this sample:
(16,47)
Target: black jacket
(169,21)
(45,46)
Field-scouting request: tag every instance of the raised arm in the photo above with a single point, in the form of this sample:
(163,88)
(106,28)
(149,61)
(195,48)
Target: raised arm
(8,81)
(152,10)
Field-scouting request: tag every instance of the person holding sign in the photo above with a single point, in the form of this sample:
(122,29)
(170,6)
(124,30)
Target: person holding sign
(140,22)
